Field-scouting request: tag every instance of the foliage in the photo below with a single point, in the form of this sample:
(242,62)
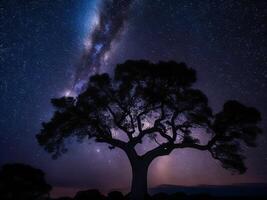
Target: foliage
(155,100)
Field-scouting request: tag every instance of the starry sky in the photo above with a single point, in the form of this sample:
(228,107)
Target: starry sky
(48,48)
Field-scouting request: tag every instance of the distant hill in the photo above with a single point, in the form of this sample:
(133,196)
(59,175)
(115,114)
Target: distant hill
(242,189)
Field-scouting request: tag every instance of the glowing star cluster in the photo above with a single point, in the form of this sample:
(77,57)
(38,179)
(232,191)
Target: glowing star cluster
(107,25)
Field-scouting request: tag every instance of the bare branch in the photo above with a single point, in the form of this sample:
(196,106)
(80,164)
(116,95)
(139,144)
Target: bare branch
(167,148)
(112,141)
(118,123)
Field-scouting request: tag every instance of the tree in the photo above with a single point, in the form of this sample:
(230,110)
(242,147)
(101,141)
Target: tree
(22,182)
(157,101)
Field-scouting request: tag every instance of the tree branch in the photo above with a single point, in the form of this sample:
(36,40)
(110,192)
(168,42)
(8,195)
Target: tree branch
(167,148)
(118,123)
(112,141)
(154,129)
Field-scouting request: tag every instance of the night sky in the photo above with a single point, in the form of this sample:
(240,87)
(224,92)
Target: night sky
(48,48)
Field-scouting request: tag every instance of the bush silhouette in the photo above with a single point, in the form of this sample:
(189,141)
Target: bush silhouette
(161,196)
(22,182)
(89,195)
(115,195)
(178,195)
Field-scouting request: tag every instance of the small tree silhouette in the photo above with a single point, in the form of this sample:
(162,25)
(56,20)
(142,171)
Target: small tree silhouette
(157,101)
(22,182)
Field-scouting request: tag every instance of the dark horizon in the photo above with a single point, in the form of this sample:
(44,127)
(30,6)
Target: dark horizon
(169,189)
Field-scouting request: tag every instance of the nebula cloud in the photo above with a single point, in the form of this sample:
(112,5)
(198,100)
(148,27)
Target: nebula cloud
(108,25)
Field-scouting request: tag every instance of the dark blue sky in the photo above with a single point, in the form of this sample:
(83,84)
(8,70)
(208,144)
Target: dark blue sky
(42,42)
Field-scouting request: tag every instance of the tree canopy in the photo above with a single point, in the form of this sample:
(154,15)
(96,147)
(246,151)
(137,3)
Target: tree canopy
(154,100)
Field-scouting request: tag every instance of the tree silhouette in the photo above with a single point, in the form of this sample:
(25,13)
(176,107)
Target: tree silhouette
(155,101)
(22,182)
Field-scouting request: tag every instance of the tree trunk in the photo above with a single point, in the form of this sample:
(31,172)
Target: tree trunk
(139,180)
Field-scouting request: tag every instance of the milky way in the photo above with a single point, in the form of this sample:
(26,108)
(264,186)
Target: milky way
(106,28)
